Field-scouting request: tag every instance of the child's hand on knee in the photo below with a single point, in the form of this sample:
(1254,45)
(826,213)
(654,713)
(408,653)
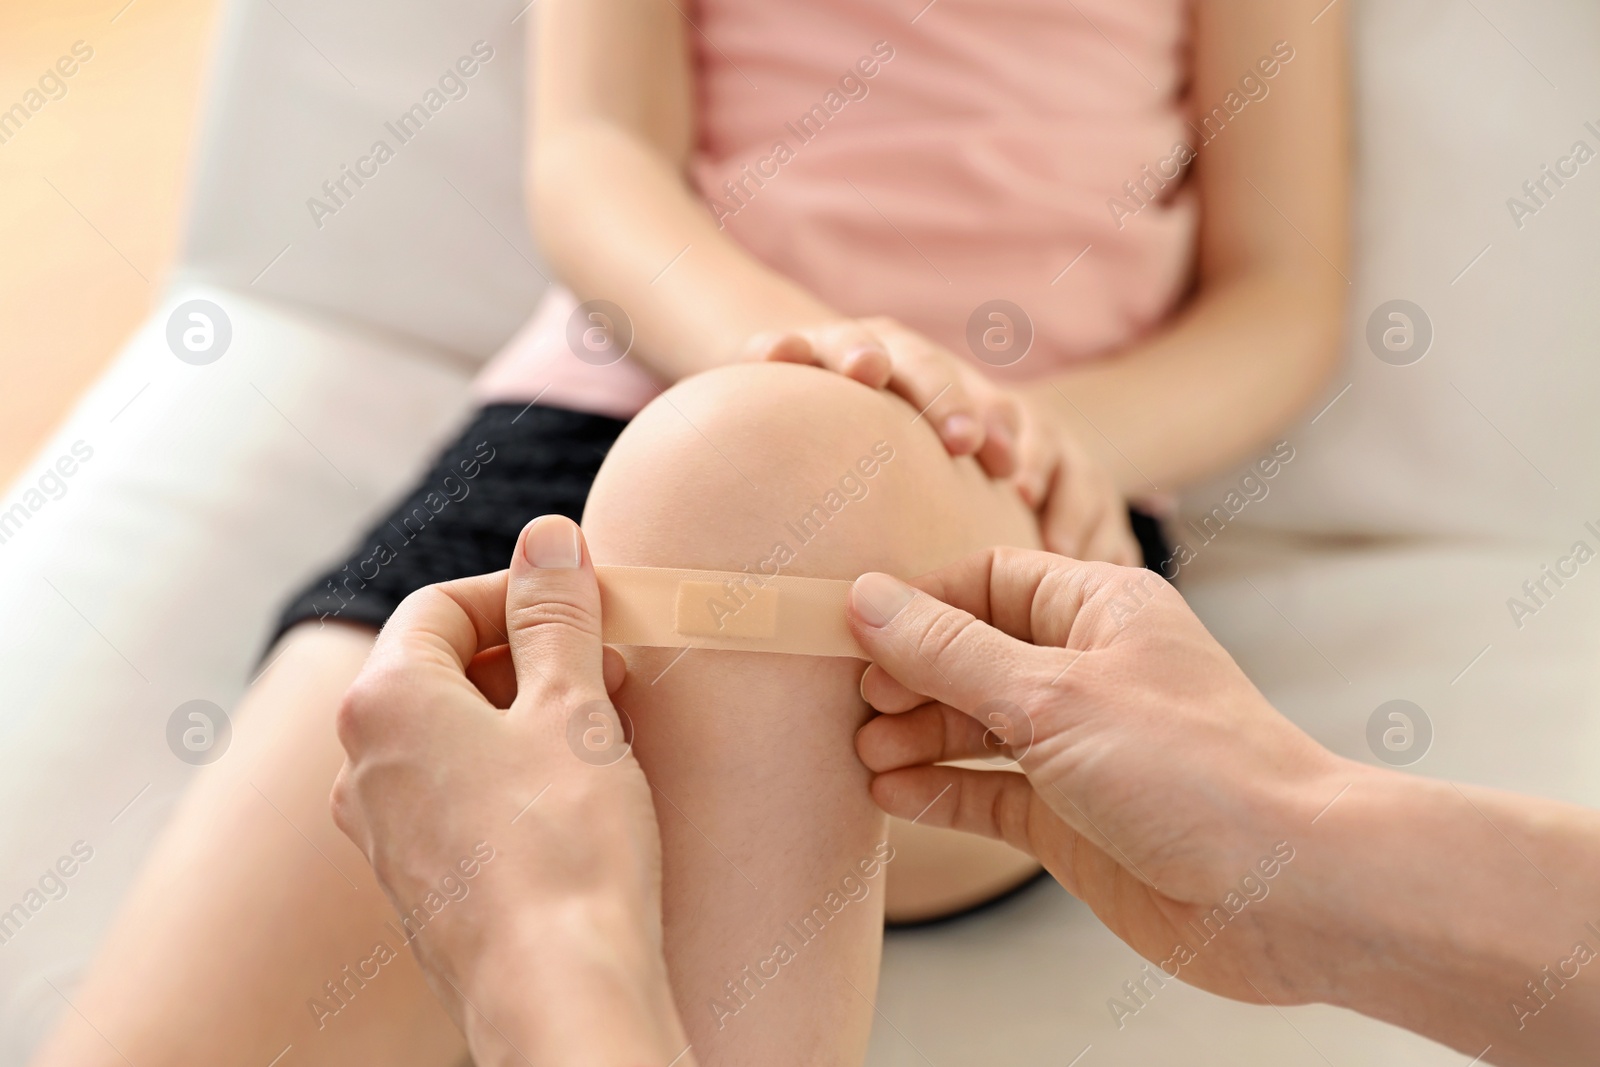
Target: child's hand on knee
(971,415)
(1081,511)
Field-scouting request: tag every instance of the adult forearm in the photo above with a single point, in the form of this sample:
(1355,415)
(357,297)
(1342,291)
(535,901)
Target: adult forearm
(619,223)
(582,987)
(1465,914)
(1233,368)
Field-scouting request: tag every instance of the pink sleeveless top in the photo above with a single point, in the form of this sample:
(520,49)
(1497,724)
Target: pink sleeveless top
(922,162)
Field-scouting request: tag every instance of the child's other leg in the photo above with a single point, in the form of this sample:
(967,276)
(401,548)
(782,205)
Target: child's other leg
(252,901)
(773,934)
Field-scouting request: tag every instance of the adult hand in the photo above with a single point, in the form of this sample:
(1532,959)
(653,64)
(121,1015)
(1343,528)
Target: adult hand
(520,855)
(1158,784)
(1209,833)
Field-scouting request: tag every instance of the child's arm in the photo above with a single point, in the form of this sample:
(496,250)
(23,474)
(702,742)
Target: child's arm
(613,130)
(1263,330)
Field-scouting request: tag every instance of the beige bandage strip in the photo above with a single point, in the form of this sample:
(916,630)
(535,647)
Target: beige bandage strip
(733,610)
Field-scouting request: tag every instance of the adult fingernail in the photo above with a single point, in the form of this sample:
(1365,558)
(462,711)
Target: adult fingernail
(551,543)
(878,598)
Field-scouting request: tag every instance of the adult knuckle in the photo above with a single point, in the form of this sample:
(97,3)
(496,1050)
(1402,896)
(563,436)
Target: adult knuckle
(570,697)
(347,721)
(363,704)
(1009,810)
(1099,575)
(342,806)
(943,636)
(554,609)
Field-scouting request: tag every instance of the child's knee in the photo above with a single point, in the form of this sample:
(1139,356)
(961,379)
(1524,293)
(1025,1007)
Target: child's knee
(758,464)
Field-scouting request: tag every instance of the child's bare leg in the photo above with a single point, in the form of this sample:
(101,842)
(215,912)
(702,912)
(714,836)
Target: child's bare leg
(247,908)
(253,900)
(764,815)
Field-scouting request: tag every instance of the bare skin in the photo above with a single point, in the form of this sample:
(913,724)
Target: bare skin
(254,882)
(612,135)
(1163,791)
(1201,796)
(762,803)
(612,206)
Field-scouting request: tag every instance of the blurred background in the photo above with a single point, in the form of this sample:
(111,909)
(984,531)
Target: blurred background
(91,193)
(176,166)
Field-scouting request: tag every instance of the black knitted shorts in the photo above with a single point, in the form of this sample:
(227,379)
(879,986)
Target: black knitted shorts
(511,464)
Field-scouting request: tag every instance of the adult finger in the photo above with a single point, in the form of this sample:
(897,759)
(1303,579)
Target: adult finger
(933,648)
(348,815)
(932,733)
(552,613)
(614,668)
(1037,597)
(451,622)
(998,804)
(882,693)
(495,675)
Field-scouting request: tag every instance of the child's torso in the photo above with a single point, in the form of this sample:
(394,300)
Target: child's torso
(923,160)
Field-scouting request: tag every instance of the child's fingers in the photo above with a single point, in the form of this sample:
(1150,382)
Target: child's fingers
(845,347)
(852,350)
(1112,541)
(1065,523)
(1002,418)
(928,380)
(778,347)
(1086,518)
(1037,459)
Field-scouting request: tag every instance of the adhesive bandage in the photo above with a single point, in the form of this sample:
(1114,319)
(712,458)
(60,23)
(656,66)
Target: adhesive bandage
(733,610)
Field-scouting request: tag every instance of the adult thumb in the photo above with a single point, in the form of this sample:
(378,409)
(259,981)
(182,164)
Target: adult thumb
(934,649)
(553,614)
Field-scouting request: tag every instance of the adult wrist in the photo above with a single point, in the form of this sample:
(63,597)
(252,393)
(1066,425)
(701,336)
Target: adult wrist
(579,981)
(1403,912)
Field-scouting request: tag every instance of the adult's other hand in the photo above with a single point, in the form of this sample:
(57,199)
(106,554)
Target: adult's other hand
(489,783)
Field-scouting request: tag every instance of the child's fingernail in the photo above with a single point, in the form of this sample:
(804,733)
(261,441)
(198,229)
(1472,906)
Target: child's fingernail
(878,598)
(551,543)
(963,428)
(856,358)
(1001,435)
